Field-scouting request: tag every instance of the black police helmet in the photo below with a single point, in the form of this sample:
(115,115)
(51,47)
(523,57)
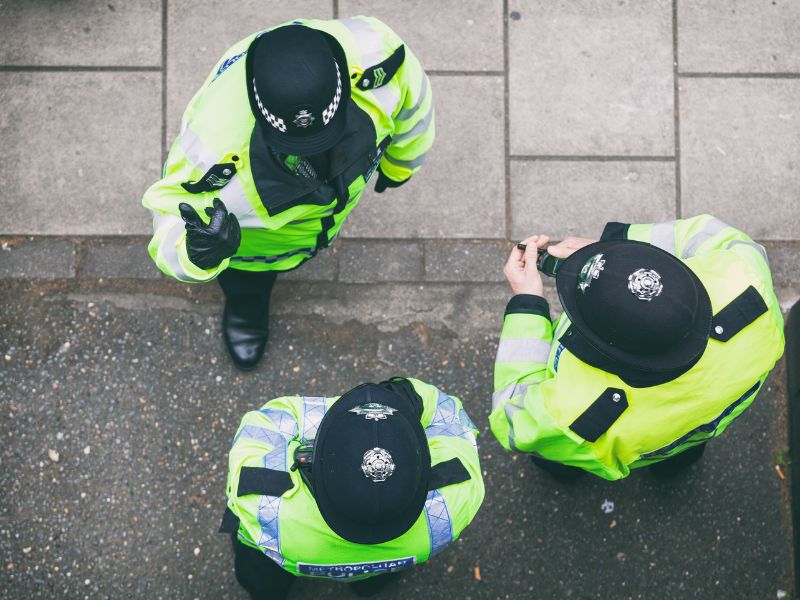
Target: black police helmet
(371,465)
(636,310)
(299,87)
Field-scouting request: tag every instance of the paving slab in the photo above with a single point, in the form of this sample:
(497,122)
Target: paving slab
(81,32)
(740,153)
(783,261)
(460,191)
(36,258)
(729,36)
(200,31)
(591,77)
(465,261)
(118,259)
(78,151)
(136,396)
(370,261)
(445,35)
(578,198)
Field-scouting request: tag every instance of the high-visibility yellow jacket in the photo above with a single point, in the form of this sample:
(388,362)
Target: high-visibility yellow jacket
(285,218)
(541,388)
(288,527)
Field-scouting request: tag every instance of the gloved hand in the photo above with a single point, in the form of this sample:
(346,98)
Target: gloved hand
(384,182)
(208,245)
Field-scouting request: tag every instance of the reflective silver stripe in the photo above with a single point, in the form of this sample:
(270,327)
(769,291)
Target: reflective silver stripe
(168,252)
(283,422)
(313,411)
(710,229)
(407,113)
(387,98)
(663,236)
(421,127)
(408,164)
(511,409)
(270,540)
(758,247)
(523,350)
(515,389)
(369,41)
(446,421)
(232,194)
(440,528)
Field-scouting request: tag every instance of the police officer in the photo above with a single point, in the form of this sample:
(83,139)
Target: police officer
(351,488)
(668,332)
(274,152)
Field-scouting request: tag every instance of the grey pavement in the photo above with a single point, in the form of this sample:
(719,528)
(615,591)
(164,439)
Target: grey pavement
(119,404)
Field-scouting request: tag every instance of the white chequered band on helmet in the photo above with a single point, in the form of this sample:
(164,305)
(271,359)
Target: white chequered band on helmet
(328,113)
(276,122)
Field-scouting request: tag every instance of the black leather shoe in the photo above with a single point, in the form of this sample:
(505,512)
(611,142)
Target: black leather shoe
(245,329)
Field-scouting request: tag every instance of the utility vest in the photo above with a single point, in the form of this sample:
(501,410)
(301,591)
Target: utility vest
(285,218)
(271,509)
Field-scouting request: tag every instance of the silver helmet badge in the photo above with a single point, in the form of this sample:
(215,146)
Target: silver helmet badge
(373,410)
(590,271)
(303,119)
(645,284)
(377,465)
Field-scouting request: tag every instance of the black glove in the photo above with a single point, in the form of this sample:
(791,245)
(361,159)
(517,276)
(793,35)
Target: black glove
(208,245)
(384,182)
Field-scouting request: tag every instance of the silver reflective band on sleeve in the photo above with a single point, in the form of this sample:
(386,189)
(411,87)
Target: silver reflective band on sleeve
(523,350)
(710,229)
(313,411)
(408,164)
(515,389)
(440,528)
(407,113)
(757,247)
(276,457)
(510,410)
(421,127)
(168,252)
(387,98)
(663,236)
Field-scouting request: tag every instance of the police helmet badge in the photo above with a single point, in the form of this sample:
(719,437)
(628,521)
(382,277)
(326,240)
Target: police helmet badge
(374,411)
(377,465)
(590,271)
(645,284)
(303,119)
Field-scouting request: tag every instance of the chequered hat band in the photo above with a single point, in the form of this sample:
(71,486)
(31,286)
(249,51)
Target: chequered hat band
(328,113)
(273,120)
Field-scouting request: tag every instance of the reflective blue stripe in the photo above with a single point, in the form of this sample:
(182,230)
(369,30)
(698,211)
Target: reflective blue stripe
(313,411)
(446,421)
(270,540)
(283,422)
(440,529)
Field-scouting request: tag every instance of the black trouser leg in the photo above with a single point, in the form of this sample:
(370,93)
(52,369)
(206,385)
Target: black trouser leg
(245,321)
(258,574)
(563,473)
(678,463)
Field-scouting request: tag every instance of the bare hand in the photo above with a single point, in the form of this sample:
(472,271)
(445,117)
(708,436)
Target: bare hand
(520,270)
(566,247)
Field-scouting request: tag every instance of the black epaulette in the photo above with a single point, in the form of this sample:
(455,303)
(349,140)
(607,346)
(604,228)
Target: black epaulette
(382,73)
